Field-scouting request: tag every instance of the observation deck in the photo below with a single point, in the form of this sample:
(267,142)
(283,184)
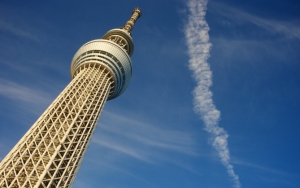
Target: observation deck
(113,51)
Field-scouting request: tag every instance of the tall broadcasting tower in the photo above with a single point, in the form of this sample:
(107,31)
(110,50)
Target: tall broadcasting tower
(50,153)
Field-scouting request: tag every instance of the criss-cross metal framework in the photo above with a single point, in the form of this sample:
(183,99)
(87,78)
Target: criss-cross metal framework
(50,153)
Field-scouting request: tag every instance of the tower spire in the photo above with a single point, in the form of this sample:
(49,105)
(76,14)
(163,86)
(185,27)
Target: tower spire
(122,36)
(136,13)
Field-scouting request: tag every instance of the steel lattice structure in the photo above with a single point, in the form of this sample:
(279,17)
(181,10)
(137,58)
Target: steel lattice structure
(50,153)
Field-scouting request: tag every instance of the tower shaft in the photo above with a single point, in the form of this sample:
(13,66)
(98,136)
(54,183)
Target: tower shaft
(50,153)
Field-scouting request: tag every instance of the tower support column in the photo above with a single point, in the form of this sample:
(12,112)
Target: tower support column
(50,154)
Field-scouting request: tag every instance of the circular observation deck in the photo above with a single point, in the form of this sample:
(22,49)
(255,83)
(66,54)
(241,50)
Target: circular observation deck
(112,56)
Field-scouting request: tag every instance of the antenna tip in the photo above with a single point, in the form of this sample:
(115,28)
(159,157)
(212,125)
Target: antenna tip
(138,10)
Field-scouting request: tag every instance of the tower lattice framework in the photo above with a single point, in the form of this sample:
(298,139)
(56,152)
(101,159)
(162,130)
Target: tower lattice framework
(50,153)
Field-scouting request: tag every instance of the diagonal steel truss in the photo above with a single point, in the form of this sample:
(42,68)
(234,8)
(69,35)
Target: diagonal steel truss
(50,153)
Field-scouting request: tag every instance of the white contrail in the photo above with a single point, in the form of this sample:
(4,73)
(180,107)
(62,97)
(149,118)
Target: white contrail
(197,39)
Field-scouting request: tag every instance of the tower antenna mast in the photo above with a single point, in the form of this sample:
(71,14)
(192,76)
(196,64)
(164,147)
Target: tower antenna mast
(136,13)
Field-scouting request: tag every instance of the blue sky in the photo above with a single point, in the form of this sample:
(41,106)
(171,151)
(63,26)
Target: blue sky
(154,135)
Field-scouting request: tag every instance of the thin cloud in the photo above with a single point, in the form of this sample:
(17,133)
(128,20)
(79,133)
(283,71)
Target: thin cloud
(15,66)
(197,39)
(113,144)
(279,181)
(151,135)
(289,29)
(21,93)
(9,27)
(115,168)
(142,141)
(265,169)
(286,178)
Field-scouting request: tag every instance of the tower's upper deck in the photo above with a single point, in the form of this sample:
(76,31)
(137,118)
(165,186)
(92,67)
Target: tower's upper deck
(113,51)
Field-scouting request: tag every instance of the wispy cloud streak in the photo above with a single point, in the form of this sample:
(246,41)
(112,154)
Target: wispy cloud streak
(21,93)
(9,27)
(287,28)
(142,141)
(197,39)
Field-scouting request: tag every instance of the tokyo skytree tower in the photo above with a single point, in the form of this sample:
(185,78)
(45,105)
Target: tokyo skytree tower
(50,153)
